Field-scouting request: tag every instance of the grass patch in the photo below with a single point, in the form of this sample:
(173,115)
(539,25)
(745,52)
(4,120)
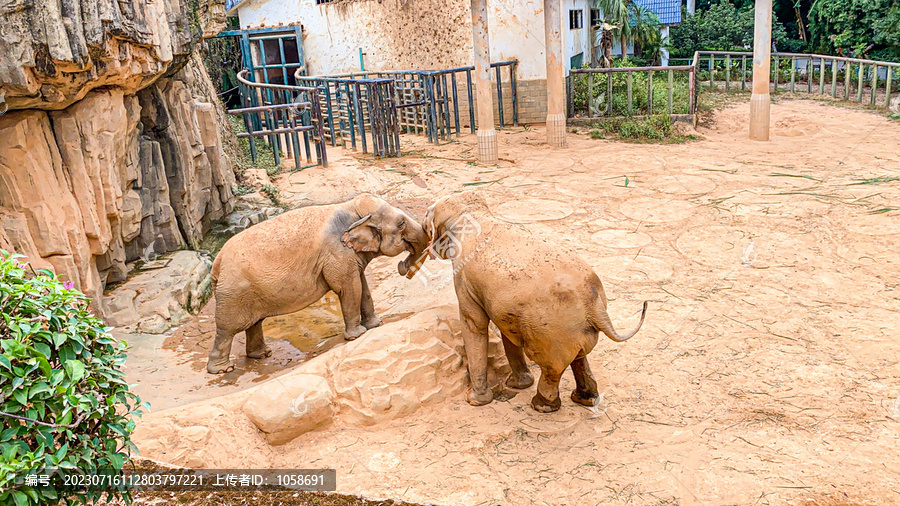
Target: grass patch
(657,129)
(274,195)
(265,157)
(241,190)
(877,180)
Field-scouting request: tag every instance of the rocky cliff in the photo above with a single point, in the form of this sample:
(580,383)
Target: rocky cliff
(111,141)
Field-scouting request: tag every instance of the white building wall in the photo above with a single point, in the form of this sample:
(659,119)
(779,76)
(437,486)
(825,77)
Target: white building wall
(576,41)
(420,34)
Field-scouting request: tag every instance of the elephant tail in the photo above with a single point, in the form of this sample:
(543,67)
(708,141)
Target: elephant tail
(214,272)
(602,323)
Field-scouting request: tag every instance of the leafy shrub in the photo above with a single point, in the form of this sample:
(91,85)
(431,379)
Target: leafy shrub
(265,156)
(64,401)
(653,128)
(273,193)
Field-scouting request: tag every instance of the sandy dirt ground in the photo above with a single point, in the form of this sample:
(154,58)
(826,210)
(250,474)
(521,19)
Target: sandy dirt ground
(767,369)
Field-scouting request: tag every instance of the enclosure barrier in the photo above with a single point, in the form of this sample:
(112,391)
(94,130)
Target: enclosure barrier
(424,102)
(581,99)
(358,109)
(282,113)
(821,74)
(874,82)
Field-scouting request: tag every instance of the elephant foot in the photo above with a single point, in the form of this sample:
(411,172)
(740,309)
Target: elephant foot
(542,405)
(263,353)
(584,397)
(520,381)
(352,333)
(476,399)
(371,323)
(219,367)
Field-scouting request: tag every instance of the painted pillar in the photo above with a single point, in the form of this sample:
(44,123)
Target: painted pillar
(762,51)
(691,6)
(556,87)
(484,101)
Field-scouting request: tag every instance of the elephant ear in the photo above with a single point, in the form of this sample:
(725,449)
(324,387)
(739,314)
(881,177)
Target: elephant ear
(361,237)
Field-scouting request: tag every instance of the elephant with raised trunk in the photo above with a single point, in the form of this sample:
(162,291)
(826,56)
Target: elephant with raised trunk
(548,304)
(285,264)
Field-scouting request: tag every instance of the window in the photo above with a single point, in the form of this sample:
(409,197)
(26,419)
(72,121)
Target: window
(596,18)
(322,2)
(576,19)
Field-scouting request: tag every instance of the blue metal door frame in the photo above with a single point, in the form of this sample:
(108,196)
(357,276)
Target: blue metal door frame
(258,36)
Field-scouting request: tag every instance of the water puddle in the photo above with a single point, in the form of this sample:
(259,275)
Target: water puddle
(294,338)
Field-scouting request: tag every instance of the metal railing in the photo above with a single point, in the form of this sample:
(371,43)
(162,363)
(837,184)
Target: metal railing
(436,103)
(358,110)
(679,97)
(283,114)
(821,74)
(596,92)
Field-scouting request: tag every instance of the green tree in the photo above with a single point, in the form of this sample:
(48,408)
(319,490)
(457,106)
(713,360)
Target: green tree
(645,33)
(722,27)
(858,27)
(626,21)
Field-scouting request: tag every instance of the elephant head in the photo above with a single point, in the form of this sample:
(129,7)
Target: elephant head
(385,230)
(448,219)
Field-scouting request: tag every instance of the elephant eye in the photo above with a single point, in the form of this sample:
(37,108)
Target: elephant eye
(401,225)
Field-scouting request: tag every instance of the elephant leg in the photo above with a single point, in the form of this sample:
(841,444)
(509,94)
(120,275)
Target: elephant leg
(546,400)
(585,392)
(256,343)
(349,291)
(219,356)
(520,377)
(367,306)
(475,339)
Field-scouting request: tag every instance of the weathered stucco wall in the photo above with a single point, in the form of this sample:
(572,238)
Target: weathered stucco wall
(112,145)
(575,41)
(408,34)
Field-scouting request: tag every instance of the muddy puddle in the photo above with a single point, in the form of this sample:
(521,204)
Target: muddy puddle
(294,338)
(170,370)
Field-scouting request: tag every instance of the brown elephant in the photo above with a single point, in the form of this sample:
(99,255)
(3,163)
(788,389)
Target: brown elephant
(285,264)
(548,304)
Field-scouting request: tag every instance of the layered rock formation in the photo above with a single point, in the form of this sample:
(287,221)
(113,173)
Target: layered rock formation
(111,149)
(52,52)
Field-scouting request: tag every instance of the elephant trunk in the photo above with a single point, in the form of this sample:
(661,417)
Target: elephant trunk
(418,243)
(603,324)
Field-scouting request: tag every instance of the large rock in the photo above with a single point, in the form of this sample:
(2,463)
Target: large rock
(389,372)
(53,53)
(113,178)
(156,300)
(291,406)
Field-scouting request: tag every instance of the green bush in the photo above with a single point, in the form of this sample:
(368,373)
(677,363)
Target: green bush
(265,156)
(652,128)
(64,401)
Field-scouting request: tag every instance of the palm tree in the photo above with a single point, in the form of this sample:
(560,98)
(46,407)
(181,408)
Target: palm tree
(615,24)
(629,22)
(645,31)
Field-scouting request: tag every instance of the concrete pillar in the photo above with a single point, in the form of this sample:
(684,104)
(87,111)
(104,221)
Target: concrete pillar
(556,80)
(762,51)
(484,101)
(691,6)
